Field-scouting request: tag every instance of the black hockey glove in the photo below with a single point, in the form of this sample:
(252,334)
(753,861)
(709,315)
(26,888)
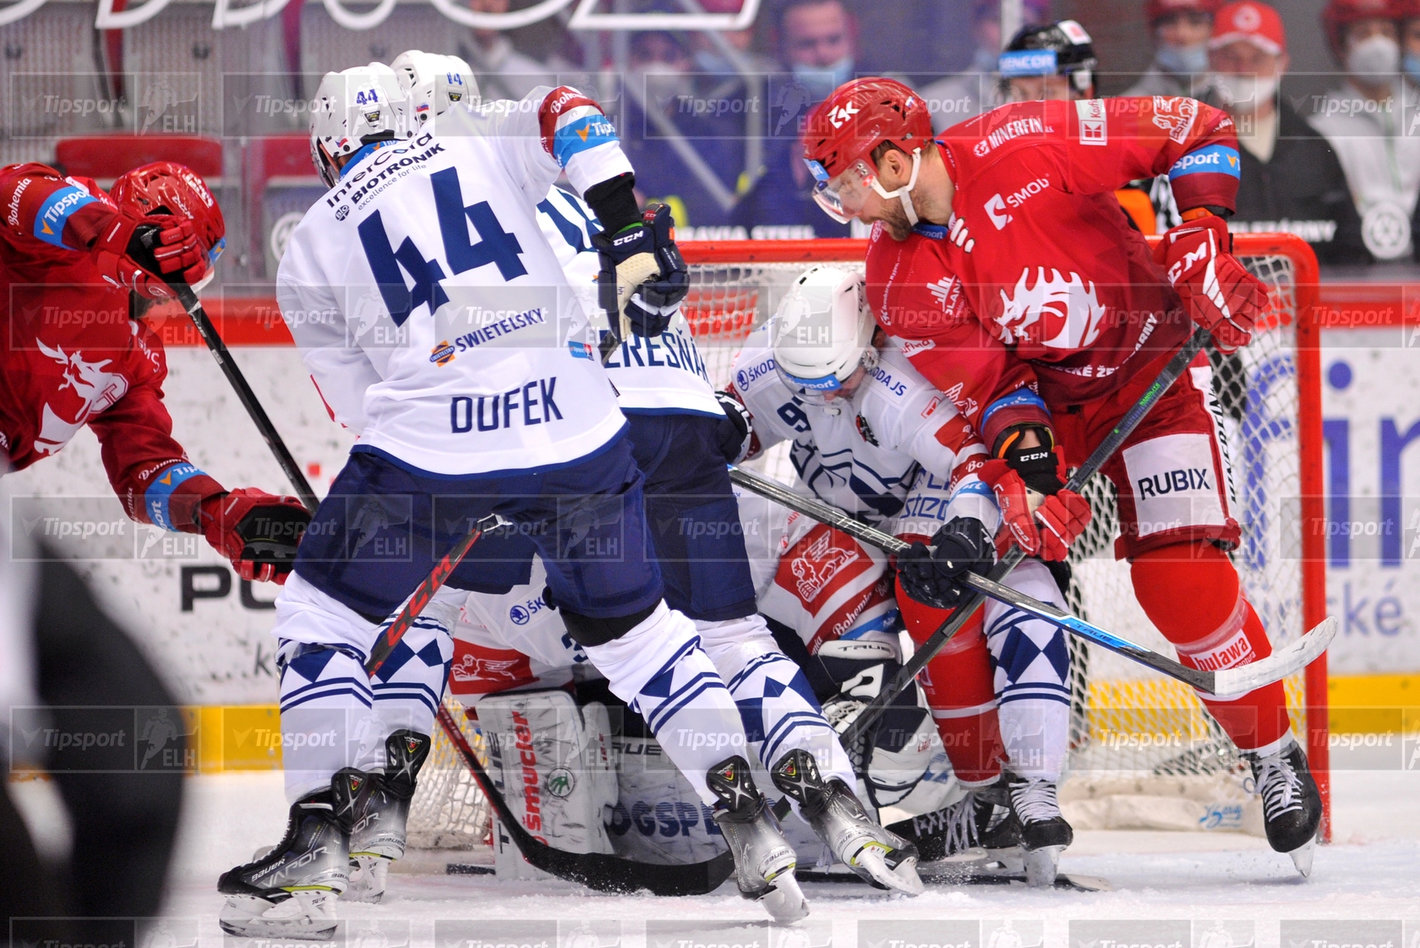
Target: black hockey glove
(930,574)
(642,259)
(736,432)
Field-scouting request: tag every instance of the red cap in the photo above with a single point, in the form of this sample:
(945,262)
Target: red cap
(1252,22)
(1156,10)
(1337,14)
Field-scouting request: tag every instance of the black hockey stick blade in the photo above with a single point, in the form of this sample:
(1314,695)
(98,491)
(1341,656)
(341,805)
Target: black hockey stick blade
(965,873)
(603,872)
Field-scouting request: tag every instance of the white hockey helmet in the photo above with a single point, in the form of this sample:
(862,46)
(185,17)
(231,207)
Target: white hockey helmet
(351,109)
(432,84)
(822,332)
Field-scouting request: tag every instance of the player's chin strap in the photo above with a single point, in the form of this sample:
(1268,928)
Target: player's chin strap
(904,193)
(1221,683)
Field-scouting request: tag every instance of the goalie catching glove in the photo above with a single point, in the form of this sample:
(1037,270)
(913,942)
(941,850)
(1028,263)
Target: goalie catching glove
(257,531)
(643,277)
(1217,291)
(1039,514)
(146,253)
(932,574)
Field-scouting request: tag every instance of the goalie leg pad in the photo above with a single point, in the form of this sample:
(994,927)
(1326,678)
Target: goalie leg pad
(776,702)
(1191,592)
(659,669)
(551,761)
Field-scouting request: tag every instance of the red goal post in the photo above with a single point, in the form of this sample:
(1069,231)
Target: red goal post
(1272,409)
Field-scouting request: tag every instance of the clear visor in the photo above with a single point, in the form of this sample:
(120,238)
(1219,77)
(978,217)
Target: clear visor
(829,192)
(819,390)
(212,256)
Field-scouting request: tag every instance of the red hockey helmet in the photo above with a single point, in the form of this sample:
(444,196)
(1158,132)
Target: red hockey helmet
(1338,14)
(1156,10)
(858,117)
(166,187)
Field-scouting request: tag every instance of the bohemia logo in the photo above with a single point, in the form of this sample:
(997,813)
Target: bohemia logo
(1067,309)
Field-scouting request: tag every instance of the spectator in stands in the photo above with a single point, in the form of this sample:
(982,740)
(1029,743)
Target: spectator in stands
(965,95)
(1291,179)
(1180,30)
(817,42)
(685,155)
(1367,121)
(502,71)
(1410,41)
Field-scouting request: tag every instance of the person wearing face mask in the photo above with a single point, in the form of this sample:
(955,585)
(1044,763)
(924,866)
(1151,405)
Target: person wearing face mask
(817,42)
(1180,31)
(1410,41)
(685,155)
(1291,179)
(1370,123)
(967,94)
(503,71)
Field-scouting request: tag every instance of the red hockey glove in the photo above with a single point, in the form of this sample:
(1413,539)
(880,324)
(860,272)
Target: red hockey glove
(257,531)
(1041,524)
(1217,291)
(145,254)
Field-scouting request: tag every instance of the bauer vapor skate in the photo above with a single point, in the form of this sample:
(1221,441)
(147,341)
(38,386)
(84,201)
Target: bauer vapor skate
(1291,803)
(764,860)
(290,892)
(377,836)
(978,826)
(876,855)
(1044,832)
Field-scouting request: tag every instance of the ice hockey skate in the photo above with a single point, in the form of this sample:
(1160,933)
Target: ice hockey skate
(877,855)
(291,891)
(377,837)
(1291,803)
(1044,832)
(980,825)
(764,860)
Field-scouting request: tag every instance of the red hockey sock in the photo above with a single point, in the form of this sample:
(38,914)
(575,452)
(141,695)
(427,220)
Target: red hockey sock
(960,692)
(1191,592)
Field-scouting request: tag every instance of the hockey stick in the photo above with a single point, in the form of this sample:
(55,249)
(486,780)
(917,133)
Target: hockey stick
(1221,682)
(928,650)
(595,870)
(209,335)
(603,872)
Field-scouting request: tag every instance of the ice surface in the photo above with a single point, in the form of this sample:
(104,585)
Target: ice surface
(1193,890)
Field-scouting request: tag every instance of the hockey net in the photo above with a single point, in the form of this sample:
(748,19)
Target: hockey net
(1144,753)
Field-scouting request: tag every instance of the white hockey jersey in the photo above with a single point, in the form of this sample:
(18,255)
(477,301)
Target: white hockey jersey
(657,375)
(897,454)
(429,307)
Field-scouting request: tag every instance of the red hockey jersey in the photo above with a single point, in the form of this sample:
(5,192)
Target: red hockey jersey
(1038,280)
(71,356)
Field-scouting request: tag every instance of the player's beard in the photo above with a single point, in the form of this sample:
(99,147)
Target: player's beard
(894,220)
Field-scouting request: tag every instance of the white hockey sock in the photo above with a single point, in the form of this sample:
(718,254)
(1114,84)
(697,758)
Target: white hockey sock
(327,721)
(1032,667)
(660,670)
(776,702)
(410,684)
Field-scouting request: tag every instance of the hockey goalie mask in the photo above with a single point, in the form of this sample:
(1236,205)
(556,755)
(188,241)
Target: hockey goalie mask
(432,84)
(166,187)
(354,109)
(822,333)
(842,132)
